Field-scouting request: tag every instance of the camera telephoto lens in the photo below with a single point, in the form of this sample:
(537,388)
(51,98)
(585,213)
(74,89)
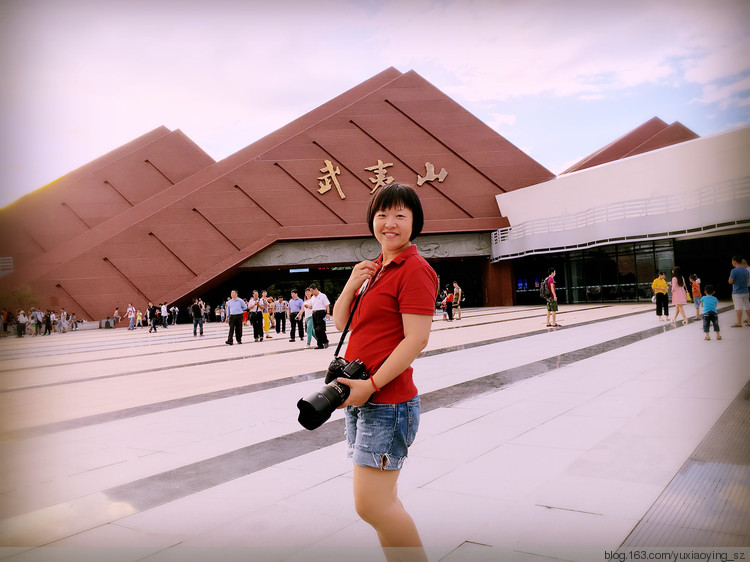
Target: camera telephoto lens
(315,410)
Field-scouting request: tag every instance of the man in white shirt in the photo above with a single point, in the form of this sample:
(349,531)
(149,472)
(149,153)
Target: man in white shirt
(321,310)
(131,316)
(254,306)
(164,314)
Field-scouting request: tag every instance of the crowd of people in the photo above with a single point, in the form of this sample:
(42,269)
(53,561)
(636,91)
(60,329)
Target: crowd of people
(266,314)
(449,302)
(682,294)
(37,322)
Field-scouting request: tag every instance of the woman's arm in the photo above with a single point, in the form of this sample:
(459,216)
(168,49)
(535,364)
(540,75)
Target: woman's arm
(416,335)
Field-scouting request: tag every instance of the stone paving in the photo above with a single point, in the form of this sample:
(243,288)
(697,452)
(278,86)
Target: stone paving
(534,443)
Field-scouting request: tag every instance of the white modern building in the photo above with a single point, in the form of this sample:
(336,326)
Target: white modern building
(608,229)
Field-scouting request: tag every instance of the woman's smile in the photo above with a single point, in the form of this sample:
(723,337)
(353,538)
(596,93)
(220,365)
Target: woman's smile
(392,228)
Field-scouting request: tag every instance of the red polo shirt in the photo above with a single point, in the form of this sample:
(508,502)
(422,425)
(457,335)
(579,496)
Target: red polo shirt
(407,285)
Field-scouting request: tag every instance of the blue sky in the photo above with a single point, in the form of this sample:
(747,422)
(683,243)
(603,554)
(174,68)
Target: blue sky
(557,78)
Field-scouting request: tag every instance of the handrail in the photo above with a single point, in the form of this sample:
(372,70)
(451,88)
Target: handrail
(703,197)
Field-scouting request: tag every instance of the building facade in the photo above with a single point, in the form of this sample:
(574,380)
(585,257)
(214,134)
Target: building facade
(609,228)
(291,201)
(158,220)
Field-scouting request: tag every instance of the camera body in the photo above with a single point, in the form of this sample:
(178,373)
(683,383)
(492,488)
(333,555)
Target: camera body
(341,368)
(314,410)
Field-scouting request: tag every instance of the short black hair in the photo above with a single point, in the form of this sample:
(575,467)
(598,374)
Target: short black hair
(393,196)
(709,289)
(551,271)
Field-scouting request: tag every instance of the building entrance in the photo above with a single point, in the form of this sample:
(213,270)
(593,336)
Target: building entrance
(331,279)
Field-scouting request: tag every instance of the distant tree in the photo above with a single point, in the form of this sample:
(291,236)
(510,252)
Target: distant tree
(22,297)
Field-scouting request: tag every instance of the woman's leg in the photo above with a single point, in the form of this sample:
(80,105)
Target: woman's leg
(310,330)
(681,310)
(377,503)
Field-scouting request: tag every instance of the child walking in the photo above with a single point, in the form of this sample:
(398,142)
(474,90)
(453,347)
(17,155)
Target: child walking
(710,314)
(695,287)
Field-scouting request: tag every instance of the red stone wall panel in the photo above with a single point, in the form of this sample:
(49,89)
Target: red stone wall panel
(177,156)
(674,134)
(628,144)
(130,180)
(416,147)
(308,206)
(461,132)
(96,193)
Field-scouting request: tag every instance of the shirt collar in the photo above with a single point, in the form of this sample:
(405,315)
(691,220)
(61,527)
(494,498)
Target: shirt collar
(401,257)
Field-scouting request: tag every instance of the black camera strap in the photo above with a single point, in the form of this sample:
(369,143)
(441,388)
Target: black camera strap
(351,315)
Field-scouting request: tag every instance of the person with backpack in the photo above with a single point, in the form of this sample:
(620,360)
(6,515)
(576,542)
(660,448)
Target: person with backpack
(547,292)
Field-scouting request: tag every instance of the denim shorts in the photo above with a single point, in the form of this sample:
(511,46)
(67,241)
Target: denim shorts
(379,435)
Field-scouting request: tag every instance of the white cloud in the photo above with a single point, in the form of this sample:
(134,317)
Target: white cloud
(521,48)
(83,77)
(736,92)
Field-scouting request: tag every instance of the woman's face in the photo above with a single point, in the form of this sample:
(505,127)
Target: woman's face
(392,228)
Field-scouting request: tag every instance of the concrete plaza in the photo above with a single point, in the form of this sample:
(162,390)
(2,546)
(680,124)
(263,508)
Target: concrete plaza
(613,434)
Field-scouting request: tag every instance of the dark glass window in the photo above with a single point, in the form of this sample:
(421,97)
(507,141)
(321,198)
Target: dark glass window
(621,272)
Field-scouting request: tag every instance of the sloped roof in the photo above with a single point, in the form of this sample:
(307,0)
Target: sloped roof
(187,237)
(44,219)
(651,135)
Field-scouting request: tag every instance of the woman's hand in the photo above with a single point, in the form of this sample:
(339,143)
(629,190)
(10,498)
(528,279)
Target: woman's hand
(360,391)
(361,272)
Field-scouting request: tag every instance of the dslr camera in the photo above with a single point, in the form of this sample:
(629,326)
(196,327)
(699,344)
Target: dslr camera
(318,407)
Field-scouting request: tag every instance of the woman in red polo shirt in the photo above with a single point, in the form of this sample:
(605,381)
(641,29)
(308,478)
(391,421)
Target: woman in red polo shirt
(390,328)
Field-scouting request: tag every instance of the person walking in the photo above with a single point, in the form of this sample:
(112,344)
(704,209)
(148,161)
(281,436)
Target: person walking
(710,313)
(280,308)
(254,306)
(320,313)
(164,315)
(131,316)
(235,307)
(196,310)
(21,321)
(448,302)
(679,295)
(551,299)
(265,307)
(739,279)
(153,316)
(661,296)
(458,296)
(295,307)
(389,329)
(308,318)
(47,323)
(695,289)
(38,320)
